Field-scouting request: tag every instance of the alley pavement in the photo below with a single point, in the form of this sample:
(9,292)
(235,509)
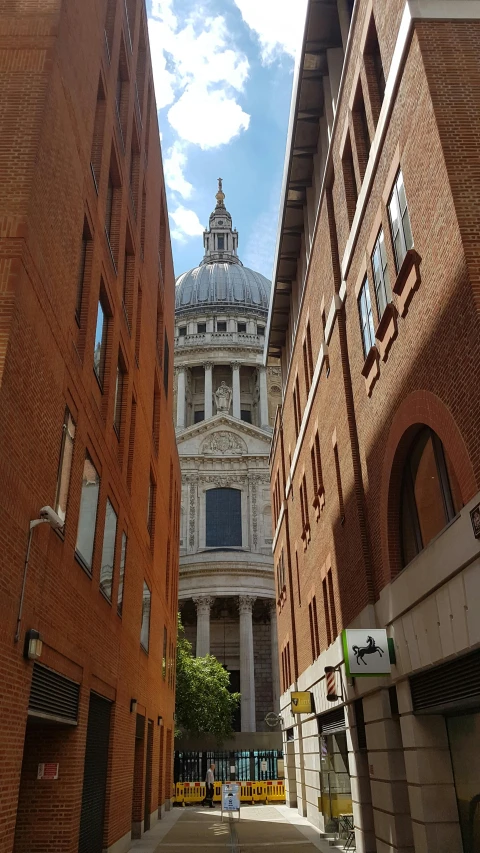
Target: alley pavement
(261,829)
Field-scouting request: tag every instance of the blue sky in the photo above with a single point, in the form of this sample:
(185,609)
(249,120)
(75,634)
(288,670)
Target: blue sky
(223,73)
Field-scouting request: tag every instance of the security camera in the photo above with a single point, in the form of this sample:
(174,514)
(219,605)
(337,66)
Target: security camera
(48,514)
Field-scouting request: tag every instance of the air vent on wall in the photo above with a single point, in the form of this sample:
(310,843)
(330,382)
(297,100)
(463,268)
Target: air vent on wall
(447,687)
(52,696)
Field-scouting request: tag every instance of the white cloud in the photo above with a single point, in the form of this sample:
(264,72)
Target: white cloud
(277,23)
(174,166)
(165,81)
(187,224)
(207,118)
(197,69)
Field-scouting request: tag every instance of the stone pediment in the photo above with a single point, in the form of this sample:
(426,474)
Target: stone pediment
(223,436)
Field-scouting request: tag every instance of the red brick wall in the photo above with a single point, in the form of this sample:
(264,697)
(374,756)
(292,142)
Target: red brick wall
(50,76)
(431,372)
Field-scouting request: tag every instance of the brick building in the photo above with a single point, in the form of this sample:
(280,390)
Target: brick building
(375,464)
(86,319)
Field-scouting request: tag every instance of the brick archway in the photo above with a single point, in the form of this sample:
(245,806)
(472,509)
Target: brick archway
(418,409)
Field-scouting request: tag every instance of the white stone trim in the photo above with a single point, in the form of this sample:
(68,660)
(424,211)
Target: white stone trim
(278,528)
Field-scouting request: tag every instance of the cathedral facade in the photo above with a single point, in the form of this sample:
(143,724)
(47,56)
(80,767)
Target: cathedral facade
(225,403)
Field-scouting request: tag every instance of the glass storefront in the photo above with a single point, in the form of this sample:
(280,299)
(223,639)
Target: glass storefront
(464,737)
(336,795)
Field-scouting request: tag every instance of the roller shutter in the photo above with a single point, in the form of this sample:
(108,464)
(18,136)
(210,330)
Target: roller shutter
(333,721)
(451,686)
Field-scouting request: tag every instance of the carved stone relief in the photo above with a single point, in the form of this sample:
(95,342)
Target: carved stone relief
(224,442)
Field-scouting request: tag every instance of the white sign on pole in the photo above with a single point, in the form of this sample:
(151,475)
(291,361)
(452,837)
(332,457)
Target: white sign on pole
(263,766)
(366,652)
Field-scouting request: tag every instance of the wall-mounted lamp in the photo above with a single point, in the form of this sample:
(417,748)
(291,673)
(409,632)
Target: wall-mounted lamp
(33,645)
(159,720)
(133,706)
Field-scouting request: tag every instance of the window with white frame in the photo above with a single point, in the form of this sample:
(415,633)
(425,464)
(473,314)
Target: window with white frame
(400,221)
(366,318)
(383,294)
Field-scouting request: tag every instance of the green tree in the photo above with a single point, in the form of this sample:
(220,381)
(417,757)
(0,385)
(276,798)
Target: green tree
(204,703)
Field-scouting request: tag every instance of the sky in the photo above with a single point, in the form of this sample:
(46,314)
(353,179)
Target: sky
(223,72)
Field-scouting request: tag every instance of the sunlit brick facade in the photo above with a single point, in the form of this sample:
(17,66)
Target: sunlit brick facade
(375,457)
(86,427)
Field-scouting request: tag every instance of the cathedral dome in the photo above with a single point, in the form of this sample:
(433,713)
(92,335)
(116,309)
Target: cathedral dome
(222,285)
(221,281)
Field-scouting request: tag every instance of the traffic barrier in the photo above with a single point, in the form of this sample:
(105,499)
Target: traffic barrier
(189,793)
(275,792)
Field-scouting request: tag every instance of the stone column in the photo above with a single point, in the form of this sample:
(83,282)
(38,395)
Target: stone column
(181,398)
(203,604)
(274,651)
(236,389)
(208,405)
(262,378)
(247,666)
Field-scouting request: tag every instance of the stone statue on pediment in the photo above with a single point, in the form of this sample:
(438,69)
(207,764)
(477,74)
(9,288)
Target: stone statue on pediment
(223,398)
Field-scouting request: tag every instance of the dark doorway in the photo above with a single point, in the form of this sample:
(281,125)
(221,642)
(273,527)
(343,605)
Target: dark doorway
(161,779)
(138,807)
(95,776)
(148,776)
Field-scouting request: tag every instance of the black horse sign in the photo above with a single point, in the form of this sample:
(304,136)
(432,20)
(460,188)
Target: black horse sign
(366,652)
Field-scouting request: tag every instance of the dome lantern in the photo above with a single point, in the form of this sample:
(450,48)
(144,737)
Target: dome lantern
(220,240)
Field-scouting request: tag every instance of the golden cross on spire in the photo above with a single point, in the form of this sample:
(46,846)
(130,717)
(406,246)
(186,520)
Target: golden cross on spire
(220,196)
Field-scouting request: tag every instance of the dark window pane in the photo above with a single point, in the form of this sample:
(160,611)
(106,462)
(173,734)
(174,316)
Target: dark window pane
(100,342)
(221,242)
(427,503)
(88,512)
(221,327)
(198,416)
(123,557)
(246,416)
(65,465)
(201,328)
(108,551)
(145,630)
(224,518)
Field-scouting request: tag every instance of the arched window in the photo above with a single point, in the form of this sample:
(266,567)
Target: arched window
(224,518)
(430,495)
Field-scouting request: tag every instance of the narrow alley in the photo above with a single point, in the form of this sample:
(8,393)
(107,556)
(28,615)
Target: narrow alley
(259,830)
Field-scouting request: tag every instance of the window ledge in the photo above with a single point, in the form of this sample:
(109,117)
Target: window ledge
(306,536)
(371,369)
(319,501)
(387,330)
(408,279)
(81,562)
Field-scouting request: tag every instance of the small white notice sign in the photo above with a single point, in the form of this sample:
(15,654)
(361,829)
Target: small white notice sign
(366,652)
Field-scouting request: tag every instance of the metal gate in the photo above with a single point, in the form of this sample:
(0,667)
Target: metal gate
(95,776)
(250,765)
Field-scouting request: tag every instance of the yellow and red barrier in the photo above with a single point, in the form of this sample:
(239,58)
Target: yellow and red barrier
(189,793)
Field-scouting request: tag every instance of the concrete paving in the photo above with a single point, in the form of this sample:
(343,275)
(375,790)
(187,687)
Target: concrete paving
(261,829)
